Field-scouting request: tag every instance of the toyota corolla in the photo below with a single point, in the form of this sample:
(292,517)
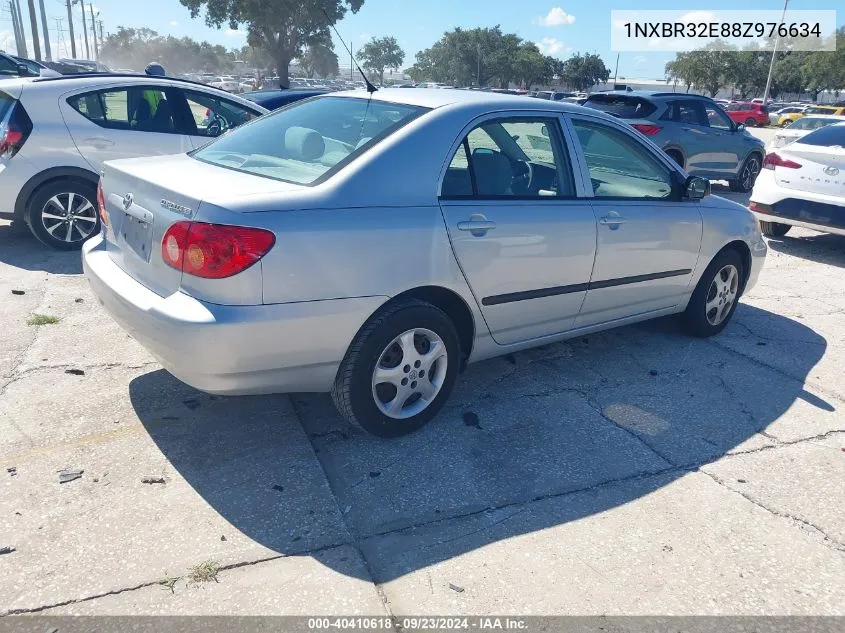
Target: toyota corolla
(372,245)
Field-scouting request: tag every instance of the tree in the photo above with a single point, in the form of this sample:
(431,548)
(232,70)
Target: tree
(319,59)
(531,66)
(378,54)
(582,72)
(282,27)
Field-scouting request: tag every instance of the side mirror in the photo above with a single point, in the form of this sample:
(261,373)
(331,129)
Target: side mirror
(23,70)
(696,188)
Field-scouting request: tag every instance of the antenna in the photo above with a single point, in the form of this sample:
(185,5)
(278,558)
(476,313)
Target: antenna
(370,87)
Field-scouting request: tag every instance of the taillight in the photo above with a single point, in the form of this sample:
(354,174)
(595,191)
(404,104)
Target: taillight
(759,207)
(101,204)
(773,160)
(648,130)
(15,132)
(214,251)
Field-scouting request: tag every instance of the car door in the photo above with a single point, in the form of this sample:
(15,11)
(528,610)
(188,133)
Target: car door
(648,238)
(709,152)
(210,115)
(124,122)
(523,237)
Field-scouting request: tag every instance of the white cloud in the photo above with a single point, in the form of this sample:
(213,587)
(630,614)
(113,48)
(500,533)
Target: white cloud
(640,59)
(551,46)
(557,17)
(235,33)
(174,23)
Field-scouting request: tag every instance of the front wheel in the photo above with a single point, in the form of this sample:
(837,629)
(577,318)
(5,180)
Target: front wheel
(399,370)
(63,214)
(774,229)
(747,175)
(715,298)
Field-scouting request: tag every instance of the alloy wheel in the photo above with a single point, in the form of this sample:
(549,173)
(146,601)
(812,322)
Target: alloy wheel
(722,294)
(409,373)
(750,172)
(69,217)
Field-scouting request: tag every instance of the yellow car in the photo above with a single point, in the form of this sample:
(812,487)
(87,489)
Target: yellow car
(788,118)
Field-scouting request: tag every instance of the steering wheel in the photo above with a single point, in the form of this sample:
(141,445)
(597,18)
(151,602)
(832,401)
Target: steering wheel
(215,128)
(523,177)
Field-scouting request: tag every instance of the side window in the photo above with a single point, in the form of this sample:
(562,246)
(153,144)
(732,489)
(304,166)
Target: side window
(213,115)
(620,166)
(522,158)
(138,109)
(717,119)
(691,113)
(7,66)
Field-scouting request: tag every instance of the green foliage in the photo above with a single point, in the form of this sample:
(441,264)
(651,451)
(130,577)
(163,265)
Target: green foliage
(319,59)
(582,72)
(283,28)
(135,48)
(378,54)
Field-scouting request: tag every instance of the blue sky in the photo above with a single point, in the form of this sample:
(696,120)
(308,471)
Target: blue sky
(560,27)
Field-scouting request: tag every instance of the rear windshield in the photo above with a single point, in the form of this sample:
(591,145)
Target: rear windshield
(309,140)
(829,136)
(622,106)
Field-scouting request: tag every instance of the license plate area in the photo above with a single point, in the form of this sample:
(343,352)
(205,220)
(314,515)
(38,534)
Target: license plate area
(137,236)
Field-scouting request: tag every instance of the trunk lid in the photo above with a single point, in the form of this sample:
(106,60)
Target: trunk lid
(822,169)
(145,196)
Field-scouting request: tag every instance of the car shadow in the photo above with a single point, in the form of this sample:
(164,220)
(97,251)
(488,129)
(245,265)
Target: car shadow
(824,248)
(20,248)
(577,427)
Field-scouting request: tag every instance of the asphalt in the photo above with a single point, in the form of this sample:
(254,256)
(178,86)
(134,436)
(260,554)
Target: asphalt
(636,471)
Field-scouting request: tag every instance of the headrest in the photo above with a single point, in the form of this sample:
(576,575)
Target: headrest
(304,143)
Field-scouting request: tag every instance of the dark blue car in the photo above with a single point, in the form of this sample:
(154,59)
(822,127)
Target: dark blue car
(273,99)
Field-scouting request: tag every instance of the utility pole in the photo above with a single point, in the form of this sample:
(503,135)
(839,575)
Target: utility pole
(70,27)
(20,43)
(100,23)
(94,32)
(20,27)
(616,72)
(33,22)
(772,64)
(478,67)
(47,52)
(85,29)
(60,37)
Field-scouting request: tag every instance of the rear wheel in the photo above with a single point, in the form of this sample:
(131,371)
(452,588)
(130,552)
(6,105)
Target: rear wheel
(63,214)
(715,298)
(747,175)
(399,370)
(774,229)
(749,122)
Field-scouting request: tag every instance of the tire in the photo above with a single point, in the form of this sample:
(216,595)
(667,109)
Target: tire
(745,181)
(355,390)
(54,198)
(774,229)
(676,156)
(749,122)
(699,319)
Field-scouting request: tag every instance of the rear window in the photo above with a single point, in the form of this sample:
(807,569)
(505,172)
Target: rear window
(309,140)
(622,106)
(829,136)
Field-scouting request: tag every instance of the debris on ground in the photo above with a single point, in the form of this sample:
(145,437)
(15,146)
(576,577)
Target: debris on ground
(168,582)
(742,481)
(6,549)
(204,572)
(75,372)
(471,419)
(42,319)
(456,588)
(69,474)
(153,480)
(761,343)
(652,372)
(375,473)
(222,537)
(19,292)
(278,488)
(78,300)
(12,470)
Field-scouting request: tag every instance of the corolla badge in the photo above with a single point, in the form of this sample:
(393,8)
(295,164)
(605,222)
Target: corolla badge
(178,208)
(128,199)
(831,171)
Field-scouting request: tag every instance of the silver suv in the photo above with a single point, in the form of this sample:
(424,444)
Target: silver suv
(56,132)
(693,130)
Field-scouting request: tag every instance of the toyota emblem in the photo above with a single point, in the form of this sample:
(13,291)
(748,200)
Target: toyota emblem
(831,171)
(127,201)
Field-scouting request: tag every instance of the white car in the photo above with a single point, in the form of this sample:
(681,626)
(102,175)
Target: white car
(56,132)
(227,83)
(802,127)
(803,184)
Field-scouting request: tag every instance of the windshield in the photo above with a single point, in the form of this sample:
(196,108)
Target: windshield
(309,140)
(811,123)
(830,136)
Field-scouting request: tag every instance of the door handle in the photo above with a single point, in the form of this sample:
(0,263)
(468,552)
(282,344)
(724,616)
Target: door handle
(476,225)
(613,220)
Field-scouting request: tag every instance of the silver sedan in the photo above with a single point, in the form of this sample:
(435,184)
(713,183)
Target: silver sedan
(372,245)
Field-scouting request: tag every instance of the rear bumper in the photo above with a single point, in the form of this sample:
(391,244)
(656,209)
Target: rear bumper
(818,212)
(231,349)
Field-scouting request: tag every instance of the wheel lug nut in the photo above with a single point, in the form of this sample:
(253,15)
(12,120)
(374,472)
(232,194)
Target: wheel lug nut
(404,381)
(406,368)
(417,364)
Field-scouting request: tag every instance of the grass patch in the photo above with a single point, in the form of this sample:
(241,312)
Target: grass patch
(42,319)
(204,572)
(168,582)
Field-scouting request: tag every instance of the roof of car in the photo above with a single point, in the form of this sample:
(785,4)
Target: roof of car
(440,97)
(651,94)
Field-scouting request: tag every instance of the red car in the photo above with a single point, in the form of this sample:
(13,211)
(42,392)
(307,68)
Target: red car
(749,114)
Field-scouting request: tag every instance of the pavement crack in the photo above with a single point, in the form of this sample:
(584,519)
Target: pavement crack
(801,522)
